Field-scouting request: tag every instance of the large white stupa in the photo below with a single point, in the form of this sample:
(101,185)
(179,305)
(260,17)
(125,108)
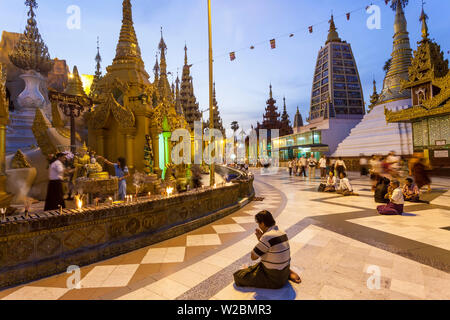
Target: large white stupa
(373,135)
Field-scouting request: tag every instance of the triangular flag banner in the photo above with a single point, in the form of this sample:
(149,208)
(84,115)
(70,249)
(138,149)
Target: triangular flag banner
(252,47)
(272,44)
(348,16)
(291,35)
(310,29)
(232,56)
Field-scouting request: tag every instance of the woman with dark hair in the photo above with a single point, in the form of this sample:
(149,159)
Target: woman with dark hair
(55,193)
(121,172)
(345,188)
(273,272)
(396,200)
(411,191)
(381,189)
(340,166)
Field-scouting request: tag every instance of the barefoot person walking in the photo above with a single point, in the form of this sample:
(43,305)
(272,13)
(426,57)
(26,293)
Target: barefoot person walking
(273,271)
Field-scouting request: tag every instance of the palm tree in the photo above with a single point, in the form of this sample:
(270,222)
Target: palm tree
(235,126)
(387,65)
(404,3)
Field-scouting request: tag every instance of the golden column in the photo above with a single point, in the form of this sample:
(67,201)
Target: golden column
(211,107)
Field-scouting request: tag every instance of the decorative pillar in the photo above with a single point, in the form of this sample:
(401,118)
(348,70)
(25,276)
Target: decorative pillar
(100,142)
(129,149)
(154,134)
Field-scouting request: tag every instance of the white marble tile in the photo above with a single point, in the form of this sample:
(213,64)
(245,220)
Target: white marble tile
(243,220)
(228,228)
(408,288)
(37,293)
(164,255)
(202,240)
(109,276)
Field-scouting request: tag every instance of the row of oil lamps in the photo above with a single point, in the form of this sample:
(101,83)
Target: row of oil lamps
(80,203)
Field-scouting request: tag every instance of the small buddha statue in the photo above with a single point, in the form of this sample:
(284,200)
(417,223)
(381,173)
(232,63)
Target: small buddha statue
(80,161)
(95,170)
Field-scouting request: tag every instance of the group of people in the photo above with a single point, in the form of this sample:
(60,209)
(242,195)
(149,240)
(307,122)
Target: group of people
(343,186)
(63,168)
(299,167)
(395,167)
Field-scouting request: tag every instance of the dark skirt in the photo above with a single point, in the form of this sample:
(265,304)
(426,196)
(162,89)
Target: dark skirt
(390,209)
(258,276)
(55,196)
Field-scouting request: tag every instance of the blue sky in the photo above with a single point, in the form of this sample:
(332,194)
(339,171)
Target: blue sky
(242,85)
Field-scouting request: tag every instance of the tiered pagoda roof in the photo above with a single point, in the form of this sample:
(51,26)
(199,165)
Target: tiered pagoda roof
(187,98)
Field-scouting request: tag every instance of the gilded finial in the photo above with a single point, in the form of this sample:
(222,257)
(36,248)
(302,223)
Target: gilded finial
(185,55)
(30,52)
(423,19)
(75,85)
(332,33)
(271,97)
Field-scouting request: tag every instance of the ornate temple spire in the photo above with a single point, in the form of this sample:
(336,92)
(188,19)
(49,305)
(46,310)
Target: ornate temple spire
(30,52)
(98,59)
(75,85)
(163,85)
(128,47)
(374,97)
(285,127)
(156,70)
(178,106)
(128,64)
(98,73)
(217,119)
(270,93)
(423,19)
(298,120)
(332,33)
(187,98)
(401,60)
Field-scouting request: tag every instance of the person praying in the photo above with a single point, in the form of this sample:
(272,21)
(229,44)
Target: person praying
(121,172)
(411,191)
(55,193)
(345,187)
(396,200)
(273,271)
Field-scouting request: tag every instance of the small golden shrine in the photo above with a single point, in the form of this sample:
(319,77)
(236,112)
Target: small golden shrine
(429,84)
(128,107)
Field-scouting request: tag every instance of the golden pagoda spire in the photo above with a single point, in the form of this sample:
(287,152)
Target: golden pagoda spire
(332,33)
(401,60)
(271,97)
(423,19)
(185,55)
(75,85)
(374,97)
(163,85)
(128,50)
(156,69)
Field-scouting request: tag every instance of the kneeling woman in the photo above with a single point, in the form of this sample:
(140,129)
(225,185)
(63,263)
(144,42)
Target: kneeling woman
(331,182)
(396,200)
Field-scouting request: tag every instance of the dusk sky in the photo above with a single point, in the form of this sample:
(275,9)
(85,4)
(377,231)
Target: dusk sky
(242,85)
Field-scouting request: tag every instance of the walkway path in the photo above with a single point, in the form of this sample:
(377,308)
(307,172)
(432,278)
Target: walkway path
(336,243)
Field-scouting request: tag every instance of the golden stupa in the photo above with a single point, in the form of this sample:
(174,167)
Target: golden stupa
(129,107)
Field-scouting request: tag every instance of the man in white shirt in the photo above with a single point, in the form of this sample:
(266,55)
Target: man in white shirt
(323,167)
(303,165)
(55,193)
(345,188)
(396,200)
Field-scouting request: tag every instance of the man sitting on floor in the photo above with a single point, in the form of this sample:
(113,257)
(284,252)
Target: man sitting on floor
(345,188)
(273,271)
(410,191)
(396,200)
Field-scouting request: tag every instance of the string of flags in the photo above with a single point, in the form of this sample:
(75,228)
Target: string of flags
(272,41)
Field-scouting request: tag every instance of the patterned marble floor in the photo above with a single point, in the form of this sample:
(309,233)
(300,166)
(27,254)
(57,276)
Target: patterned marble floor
(339,244)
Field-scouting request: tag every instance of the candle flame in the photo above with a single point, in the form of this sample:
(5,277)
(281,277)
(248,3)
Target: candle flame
(169,190)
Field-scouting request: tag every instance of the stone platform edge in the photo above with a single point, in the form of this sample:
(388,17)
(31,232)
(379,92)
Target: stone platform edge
(34,249)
